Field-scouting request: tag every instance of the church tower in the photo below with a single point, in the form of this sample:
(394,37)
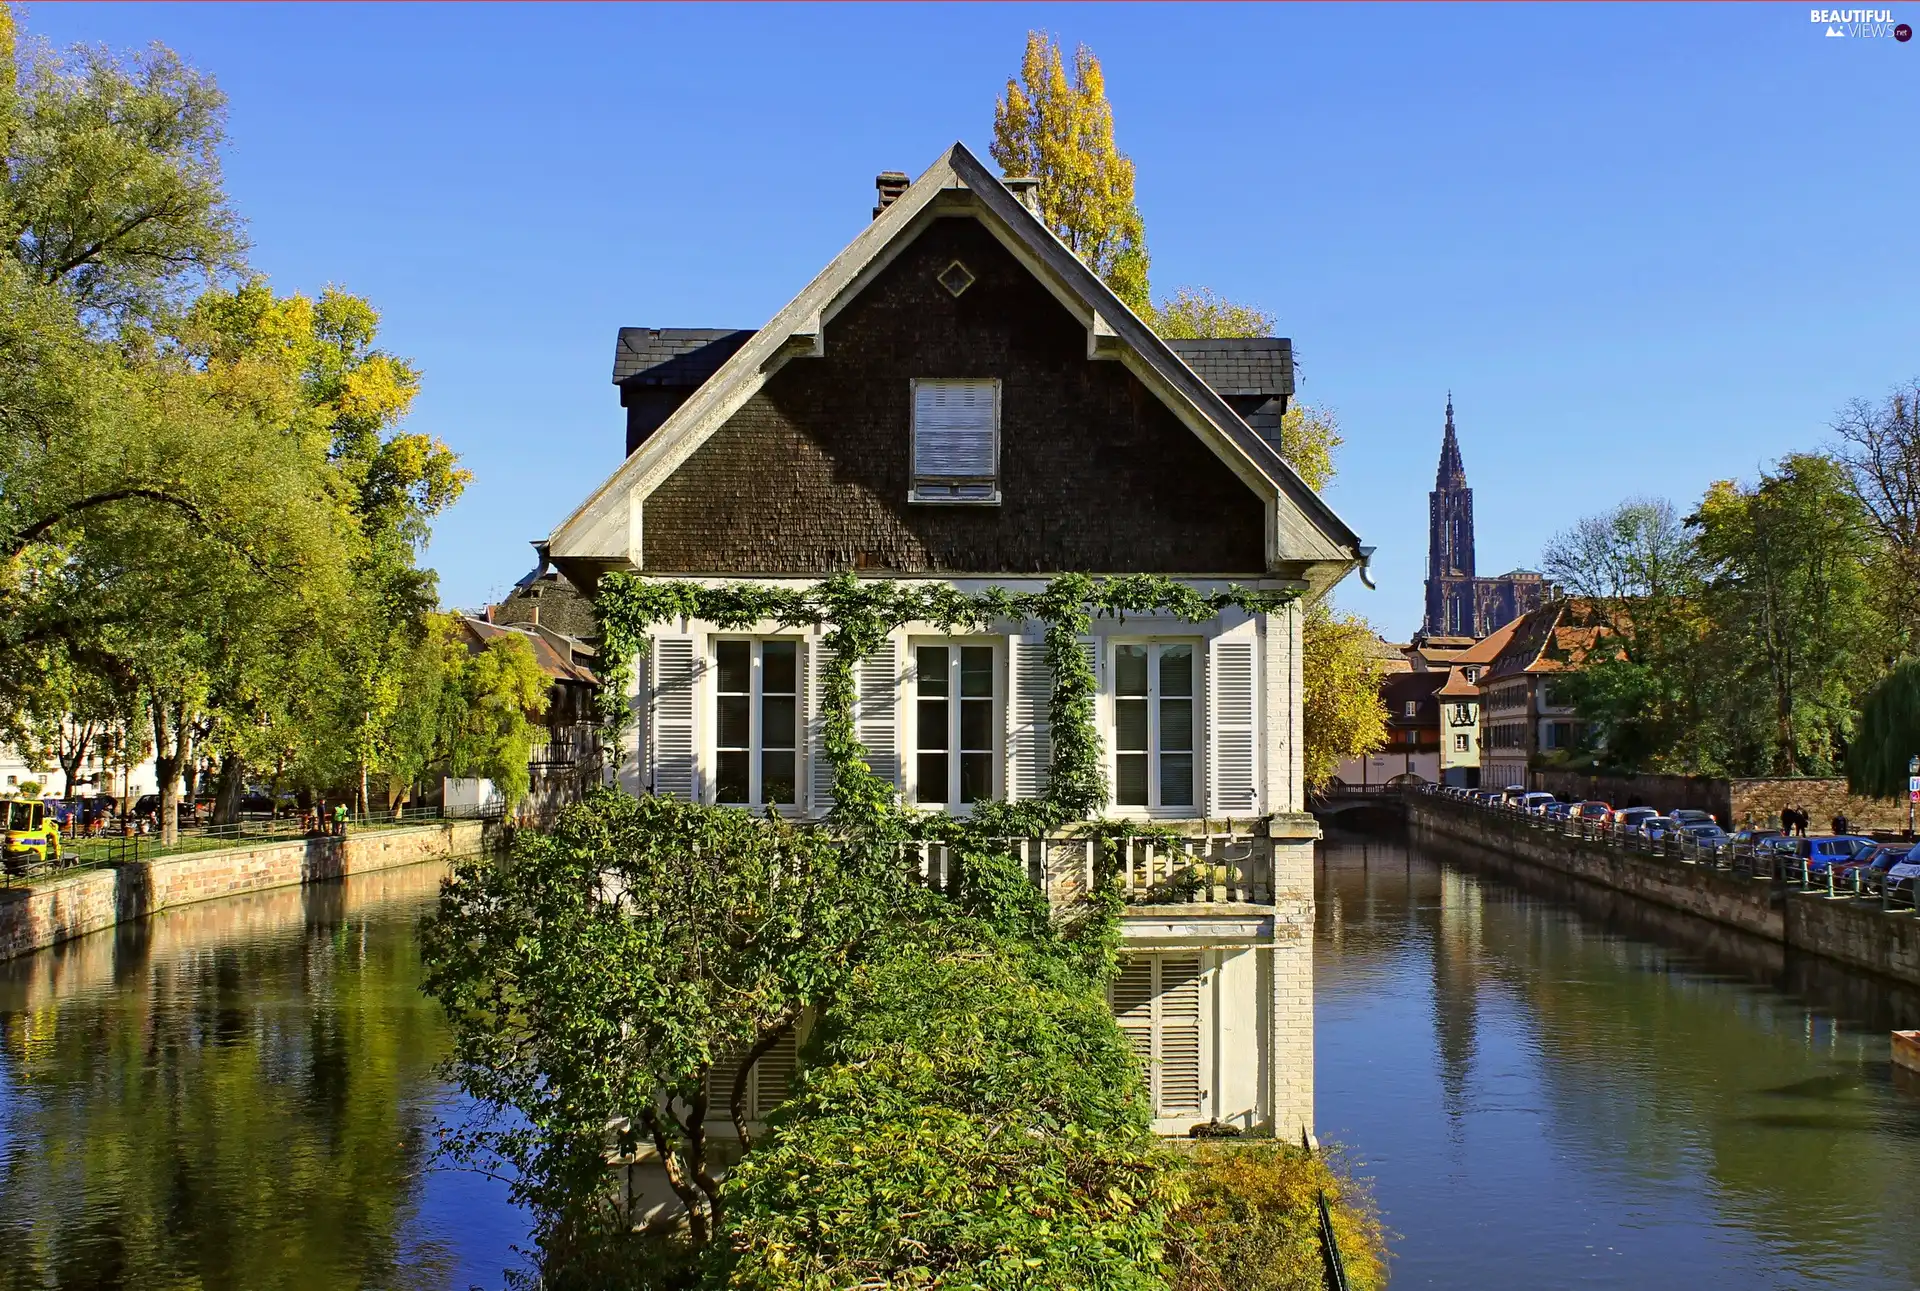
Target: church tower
(1450,578)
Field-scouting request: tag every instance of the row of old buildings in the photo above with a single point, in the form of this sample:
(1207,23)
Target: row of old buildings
(1473,698)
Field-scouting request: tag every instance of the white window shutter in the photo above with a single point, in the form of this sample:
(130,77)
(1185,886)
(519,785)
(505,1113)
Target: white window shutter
(1132,996)
(1232,719)
(675,671)
(1181,1091)
(819,766)
(953,428)
(773,1074)
(876,718)
(1029,740)
(1157,1003)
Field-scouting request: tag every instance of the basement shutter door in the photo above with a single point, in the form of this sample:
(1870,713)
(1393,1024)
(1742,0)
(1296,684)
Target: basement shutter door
(674,674)
(773,1074)
(1157,1005)
(1232,718)
(876,719)
(767,1087)
(953,429)
(1029,740)
(820,767)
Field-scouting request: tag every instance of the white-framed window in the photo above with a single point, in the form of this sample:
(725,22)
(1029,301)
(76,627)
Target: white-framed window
(1461,744)
(956,441)
(1412,708)
(1156,724)
(958,716)
(756,727)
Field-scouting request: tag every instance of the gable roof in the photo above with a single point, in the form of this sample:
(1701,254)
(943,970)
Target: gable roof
(1481,653)
(1557,637)
(605,530)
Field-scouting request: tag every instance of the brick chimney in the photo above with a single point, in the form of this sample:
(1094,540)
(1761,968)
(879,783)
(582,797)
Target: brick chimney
(1026,188)
(889,184)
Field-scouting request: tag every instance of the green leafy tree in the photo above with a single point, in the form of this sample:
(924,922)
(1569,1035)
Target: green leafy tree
(1786,588)
(1060,132)
(597,979)
(1342,715)
(112,191)
(1887,734)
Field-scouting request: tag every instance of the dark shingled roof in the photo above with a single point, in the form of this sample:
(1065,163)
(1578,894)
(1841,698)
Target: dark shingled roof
(1240,367)
(673,356)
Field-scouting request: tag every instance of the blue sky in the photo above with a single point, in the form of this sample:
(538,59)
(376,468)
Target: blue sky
(1645,246)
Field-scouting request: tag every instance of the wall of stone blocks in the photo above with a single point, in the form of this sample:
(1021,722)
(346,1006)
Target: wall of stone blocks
(45,913)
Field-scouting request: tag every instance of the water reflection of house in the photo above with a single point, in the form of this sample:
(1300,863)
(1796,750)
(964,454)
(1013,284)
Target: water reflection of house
(565,758)
(957,398)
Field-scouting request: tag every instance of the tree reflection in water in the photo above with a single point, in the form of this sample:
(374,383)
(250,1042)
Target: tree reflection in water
(1559,1086)
(237,1094)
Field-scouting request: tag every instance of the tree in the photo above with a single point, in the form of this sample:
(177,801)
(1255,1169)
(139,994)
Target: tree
(1643,699)
(1193,312)
(1887,734)
(111,190)
(598,978)
(1785,589)
(1061,133)
(1879,444)
(1341,712)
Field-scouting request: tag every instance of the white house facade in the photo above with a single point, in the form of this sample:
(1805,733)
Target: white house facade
(956,398)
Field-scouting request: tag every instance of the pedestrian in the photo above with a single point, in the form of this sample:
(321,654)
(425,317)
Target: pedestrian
(1840,822)
(1801,820)
(1786,821)
(340,818)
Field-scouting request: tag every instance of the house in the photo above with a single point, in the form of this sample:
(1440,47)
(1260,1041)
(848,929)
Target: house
(957,398)
(1411,755)
(566,758)
(1524,713)
(1460,708)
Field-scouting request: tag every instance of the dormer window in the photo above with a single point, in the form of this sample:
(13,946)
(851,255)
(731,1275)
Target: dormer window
(956,441)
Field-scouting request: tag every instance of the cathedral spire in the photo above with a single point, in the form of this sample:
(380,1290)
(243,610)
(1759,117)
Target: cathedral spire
(1452,473)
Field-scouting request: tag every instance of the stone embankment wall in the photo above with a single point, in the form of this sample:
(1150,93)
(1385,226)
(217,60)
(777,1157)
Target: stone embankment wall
(1854,932)
(1733,802)
(42,914)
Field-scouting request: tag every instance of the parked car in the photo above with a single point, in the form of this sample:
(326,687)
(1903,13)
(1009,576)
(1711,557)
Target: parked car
(1819,853)
(1629,819)
(1557,810)
(1868,870)
(1707,836)
(28,834)
(1656,828)
(1688,816)
(1903,877)
(1754,840)
(1598,812)
(1532,803)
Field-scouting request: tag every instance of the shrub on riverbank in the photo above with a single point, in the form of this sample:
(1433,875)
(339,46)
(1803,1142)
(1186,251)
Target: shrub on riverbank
(1251,1221)
(973,1118)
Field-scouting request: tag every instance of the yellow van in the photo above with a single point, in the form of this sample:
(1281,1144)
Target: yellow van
(32,833)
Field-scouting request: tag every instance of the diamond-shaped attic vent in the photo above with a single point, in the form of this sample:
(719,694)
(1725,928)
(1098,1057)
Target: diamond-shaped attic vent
(956,278)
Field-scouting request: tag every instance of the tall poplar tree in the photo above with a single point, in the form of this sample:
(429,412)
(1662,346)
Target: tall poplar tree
(1060,132)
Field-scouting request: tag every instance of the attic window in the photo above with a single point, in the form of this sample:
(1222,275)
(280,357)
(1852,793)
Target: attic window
(956,442)
(956,278)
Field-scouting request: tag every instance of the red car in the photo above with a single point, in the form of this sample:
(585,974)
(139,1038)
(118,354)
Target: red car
(1598,812)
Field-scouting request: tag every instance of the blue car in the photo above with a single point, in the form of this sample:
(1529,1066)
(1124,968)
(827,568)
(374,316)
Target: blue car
(1819,853)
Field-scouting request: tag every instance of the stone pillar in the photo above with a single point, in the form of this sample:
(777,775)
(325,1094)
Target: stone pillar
(1291,1091)
(1282,730)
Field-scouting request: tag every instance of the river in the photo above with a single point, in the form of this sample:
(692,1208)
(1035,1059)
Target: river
(1544,1092)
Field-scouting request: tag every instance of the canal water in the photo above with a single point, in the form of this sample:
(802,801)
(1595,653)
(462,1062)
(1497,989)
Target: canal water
(1552,1090)
(1545,1091)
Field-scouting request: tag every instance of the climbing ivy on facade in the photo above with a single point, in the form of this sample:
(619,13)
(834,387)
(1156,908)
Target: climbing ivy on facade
(858,614)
